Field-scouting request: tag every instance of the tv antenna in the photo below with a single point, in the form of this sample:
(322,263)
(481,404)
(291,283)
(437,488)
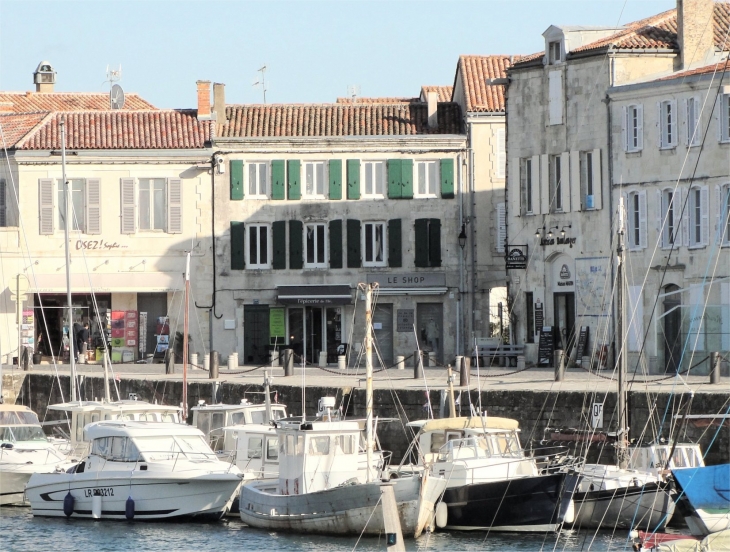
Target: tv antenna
(116,94)
(262,81)
(353,91)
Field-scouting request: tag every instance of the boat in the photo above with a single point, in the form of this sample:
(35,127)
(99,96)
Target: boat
(704,498)
(665,542)
(142,471)
(24,450)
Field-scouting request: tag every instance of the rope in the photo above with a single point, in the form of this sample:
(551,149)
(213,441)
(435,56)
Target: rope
(649,380)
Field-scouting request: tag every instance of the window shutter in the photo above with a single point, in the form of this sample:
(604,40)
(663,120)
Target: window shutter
(565,181)
(725,316)
(675,123)
(129,206)
(296,236)
(640,125)
(395,250)
(642,219)
(661,126)
(278,187)
(576,191)
(236,179)
(335,243)
(535,180)
(698,127)
(174,206)
(3,204)
(46,205)
(705,214)
(514,188)
(719,199)
(294,176)
(555,100)
(624,127)
(660,212)
(501,227)
(597,187)
(278,240)
(447,178)
(434,242)
(501,154)
(406,178)
(686,106)
(93,206)
(422,239)
(353,179)
(394,179)
(335,178)
(679,207)
(353,244)
(545,199)
(238,245)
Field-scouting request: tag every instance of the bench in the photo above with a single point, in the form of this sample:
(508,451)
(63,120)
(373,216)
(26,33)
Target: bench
(489,353)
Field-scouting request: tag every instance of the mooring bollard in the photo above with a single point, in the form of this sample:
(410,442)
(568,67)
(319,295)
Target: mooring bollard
(715,367)
(400,362)
(169,362)
(341,362)
(559,363)
(213,374)
(417,365)
(465,371)
(288,362)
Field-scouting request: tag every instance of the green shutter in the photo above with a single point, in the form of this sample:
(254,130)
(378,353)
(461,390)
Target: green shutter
(294,178)
(335,176)
(353,179)
(447,178)
(395,251)
(394,179)
(336,243)
(353,244)
(238,246)
(434,242)
(236,179)
(407,178)
(278,229)
(296,257)
(421,231)
(278,187)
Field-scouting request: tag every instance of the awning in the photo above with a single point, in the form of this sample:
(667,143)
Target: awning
(337,294)
(140,282)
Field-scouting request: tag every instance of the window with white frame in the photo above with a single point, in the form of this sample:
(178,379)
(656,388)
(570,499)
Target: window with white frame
(258,244)
(725,118)
(374,244)
(724,213)
(555,52)
(315,179)
(152,194)
(427,175)
(526,186)
(78,204)
(668,124)
(315,245)
(636,218)
(634,127)
(670,218)
(586,179)
(257,177)
(373,178)
(501,154)
(556,183)
(694,132)
(698,216)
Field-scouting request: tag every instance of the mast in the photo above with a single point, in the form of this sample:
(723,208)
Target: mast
(66,232)
(622,451)
(369,377)
(185,338)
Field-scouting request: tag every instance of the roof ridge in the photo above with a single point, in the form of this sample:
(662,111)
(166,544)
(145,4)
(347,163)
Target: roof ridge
(36,128)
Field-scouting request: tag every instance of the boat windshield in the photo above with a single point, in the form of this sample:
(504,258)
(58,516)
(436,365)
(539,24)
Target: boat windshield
(15,417)
(14,434)
(192,447)
(493,444)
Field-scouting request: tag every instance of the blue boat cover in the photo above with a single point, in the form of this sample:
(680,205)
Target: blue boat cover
(707,487)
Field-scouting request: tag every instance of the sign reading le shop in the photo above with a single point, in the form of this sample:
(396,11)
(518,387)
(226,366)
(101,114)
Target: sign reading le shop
(409,280)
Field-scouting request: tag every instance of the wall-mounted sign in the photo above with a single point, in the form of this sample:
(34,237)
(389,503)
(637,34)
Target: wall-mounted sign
(405,319)
(410,280)
(546,348)
(516,257)
(277,324)
(98,244)
(597,416)
(314,295)
(558,241)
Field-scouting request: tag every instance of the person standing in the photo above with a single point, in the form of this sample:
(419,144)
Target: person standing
(82,340)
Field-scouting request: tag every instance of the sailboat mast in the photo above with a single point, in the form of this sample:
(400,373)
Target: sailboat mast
(66,233)
(369,377)
(622,450)
(185,339)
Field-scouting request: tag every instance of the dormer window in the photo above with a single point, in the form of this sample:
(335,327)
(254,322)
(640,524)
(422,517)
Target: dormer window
(555,52)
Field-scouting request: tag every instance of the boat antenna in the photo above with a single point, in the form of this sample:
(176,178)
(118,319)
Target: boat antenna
(622,451)
(66,231)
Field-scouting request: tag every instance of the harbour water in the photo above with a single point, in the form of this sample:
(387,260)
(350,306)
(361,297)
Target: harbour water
(22,532)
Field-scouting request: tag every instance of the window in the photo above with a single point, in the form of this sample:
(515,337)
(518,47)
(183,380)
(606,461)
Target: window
(258,254)
(319,446)
(586,179)
(147,204)
(556,183)
(725,118)
(373,178)
(698,217)
(428,242)
(636,217)
(374,244)
(526,186)
(634,128)
(78,193)
(693,122)
(152,204)
(254,447)
(501,154)
(530,317)
(258,180)
(555,52)
(315,252)
(346,444)
(428,177)
(670,218)
(272,449)
(668,124)
(315,179)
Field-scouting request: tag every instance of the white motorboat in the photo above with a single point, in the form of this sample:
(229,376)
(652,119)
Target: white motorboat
(139,470)
(24,450)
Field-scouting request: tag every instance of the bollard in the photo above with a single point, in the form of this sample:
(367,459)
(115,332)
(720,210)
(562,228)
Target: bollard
(425,359)
(400,362)
(342,362)
(288,362)
(417,365)
(206,362)
(232,361)
(26,359)
(323,359)
(464,371)
(715,367)
(194,360)
(432,359)
(559,363)
(82,353)
(169,361)
(213,365)
(520,362)
(274,358)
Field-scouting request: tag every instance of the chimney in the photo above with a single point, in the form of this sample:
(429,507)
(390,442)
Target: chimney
(219,102)
(433,101)
(695,32)
(204,101)
(44,78)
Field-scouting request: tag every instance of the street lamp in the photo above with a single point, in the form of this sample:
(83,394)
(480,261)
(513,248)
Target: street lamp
(462,237)
(562,230)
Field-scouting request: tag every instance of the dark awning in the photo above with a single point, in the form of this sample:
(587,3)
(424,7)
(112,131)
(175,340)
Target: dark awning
(338,294)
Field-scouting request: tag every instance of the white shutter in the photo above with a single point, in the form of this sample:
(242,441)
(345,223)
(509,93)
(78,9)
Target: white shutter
(698,127)
(93,206)
(660,213)
(576,186)
(545,199)
(718,215)
(624,128)
(46,205)
(555,91)
(628,220)
(597,173)
(660,125)
(501,227)
(129,204)
(705,214)
(174,206)
(514,186)
(565,182)
(640,129)
(535,183)
(3,204)
(642,219)
(635,318)
(675,123)
(725,315)
(501,156)
(686,127)
(679,207)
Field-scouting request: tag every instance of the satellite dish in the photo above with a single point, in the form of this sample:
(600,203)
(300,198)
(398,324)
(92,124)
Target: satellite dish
(116,97)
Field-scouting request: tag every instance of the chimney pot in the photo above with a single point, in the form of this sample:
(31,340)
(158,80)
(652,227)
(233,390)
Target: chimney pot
(219,102)
(433,119)
(204,100)
(695,32)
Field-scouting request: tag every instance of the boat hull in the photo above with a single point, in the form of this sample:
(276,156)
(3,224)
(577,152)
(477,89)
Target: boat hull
(12,486)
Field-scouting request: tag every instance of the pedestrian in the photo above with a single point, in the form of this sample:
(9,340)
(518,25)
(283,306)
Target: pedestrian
(77,327)
(82,339)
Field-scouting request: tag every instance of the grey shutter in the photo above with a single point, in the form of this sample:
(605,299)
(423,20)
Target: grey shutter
(514,187)
(129,206)
(501,227)
(395,248)
(565,182)
(354,254)
(597,186)
(174,206)
(93,206)
(46,205)
(3,204)
(278,230)
(434,242)
(705,215)
(576,184)
(642,219)
(296,255)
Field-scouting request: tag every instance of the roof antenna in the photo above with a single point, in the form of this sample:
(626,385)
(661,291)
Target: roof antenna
(116,94)
(262,81)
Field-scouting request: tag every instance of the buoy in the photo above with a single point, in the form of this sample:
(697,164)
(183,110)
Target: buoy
(68,504)
(129,509)
(96,506)
(442,515)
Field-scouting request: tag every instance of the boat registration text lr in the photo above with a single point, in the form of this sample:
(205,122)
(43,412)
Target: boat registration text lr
(108,491)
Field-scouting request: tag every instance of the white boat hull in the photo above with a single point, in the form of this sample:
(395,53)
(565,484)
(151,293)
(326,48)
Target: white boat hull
(12,486)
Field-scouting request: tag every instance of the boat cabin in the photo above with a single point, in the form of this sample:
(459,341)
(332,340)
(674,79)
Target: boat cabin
(19,423)
(257,450)
(212,418)
(655,457)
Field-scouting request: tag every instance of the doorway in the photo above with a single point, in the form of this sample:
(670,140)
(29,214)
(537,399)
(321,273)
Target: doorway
(672,329)
(564,319)
(256,334)
(155,305)
(383,330)
(305,335)
(430,320)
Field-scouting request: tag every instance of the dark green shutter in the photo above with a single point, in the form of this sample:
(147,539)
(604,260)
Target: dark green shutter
(434,242)
(353,244)
(238,246)
(336,244)
(353,179)
(394,179)
(293,170)
(278,185)
(447,178)
(335,177)
(395,250)
(421,231)
(296,258)
(278,230)
(406,178)
(236,179)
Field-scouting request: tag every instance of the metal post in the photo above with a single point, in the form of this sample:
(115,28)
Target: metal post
(715,367)
(559,364)
(417,365)
(213,374)
(464,371)
(288,362)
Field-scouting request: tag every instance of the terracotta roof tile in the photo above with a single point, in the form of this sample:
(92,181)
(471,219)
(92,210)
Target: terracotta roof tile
(25,102)
(445,92)
(15,126)
(707,69)
(158,129)
(376,119)
(476,71)
(383,100)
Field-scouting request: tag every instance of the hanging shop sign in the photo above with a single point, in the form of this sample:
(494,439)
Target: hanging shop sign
(516,258)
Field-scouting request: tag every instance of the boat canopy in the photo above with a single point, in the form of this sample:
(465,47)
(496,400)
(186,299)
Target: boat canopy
(17,414)
(707,487)
(116,428)
(117,406)
(489,422)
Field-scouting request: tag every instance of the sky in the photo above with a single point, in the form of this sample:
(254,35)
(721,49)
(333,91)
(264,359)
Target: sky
(313,50)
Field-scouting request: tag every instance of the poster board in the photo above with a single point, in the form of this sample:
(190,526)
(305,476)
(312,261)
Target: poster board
(546,349)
